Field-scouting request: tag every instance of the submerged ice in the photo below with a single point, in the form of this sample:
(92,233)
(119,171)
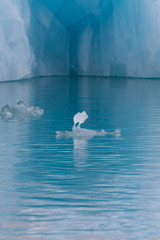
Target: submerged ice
(20,111)
(78,132)
(79,37)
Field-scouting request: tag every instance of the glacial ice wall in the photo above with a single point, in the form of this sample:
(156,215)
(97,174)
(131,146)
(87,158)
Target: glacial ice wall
(79,37)
(16,57)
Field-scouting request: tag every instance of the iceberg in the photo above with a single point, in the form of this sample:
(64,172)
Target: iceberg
(79,118)
(79,37)
(20,111)
(16,57)
(78,132)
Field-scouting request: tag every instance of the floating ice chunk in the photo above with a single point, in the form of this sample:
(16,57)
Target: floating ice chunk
(6,112)
(79,118)
(29,110)
(85,133)
(78,132)
(20,111)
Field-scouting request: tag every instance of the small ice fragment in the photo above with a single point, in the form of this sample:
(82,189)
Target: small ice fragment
(118,131)
(79,118)
(6,112)
(78,132)
(20,111)
(20,102)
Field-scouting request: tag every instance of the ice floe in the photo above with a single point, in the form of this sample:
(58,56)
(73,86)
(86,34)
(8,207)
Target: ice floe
(78,132)
(20,111)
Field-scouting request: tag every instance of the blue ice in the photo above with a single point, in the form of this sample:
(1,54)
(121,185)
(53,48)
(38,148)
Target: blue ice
(79,37)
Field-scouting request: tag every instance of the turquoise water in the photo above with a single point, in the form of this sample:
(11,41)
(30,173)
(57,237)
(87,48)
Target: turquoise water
(91,188)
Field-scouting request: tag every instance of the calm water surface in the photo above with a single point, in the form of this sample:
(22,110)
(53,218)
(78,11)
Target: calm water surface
(81,189)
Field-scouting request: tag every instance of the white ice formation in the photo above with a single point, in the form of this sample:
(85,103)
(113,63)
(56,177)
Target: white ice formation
(78,132)
(20,111)
(79,118)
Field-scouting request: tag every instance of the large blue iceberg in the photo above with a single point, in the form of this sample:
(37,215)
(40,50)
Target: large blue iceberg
(79,37)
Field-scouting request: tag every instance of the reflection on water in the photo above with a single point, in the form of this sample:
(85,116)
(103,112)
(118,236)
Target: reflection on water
(102,187)
(80,152)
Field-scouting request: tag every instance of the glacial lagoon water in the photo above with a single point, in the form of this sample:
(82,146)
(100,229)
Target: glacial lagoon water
(92,188)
